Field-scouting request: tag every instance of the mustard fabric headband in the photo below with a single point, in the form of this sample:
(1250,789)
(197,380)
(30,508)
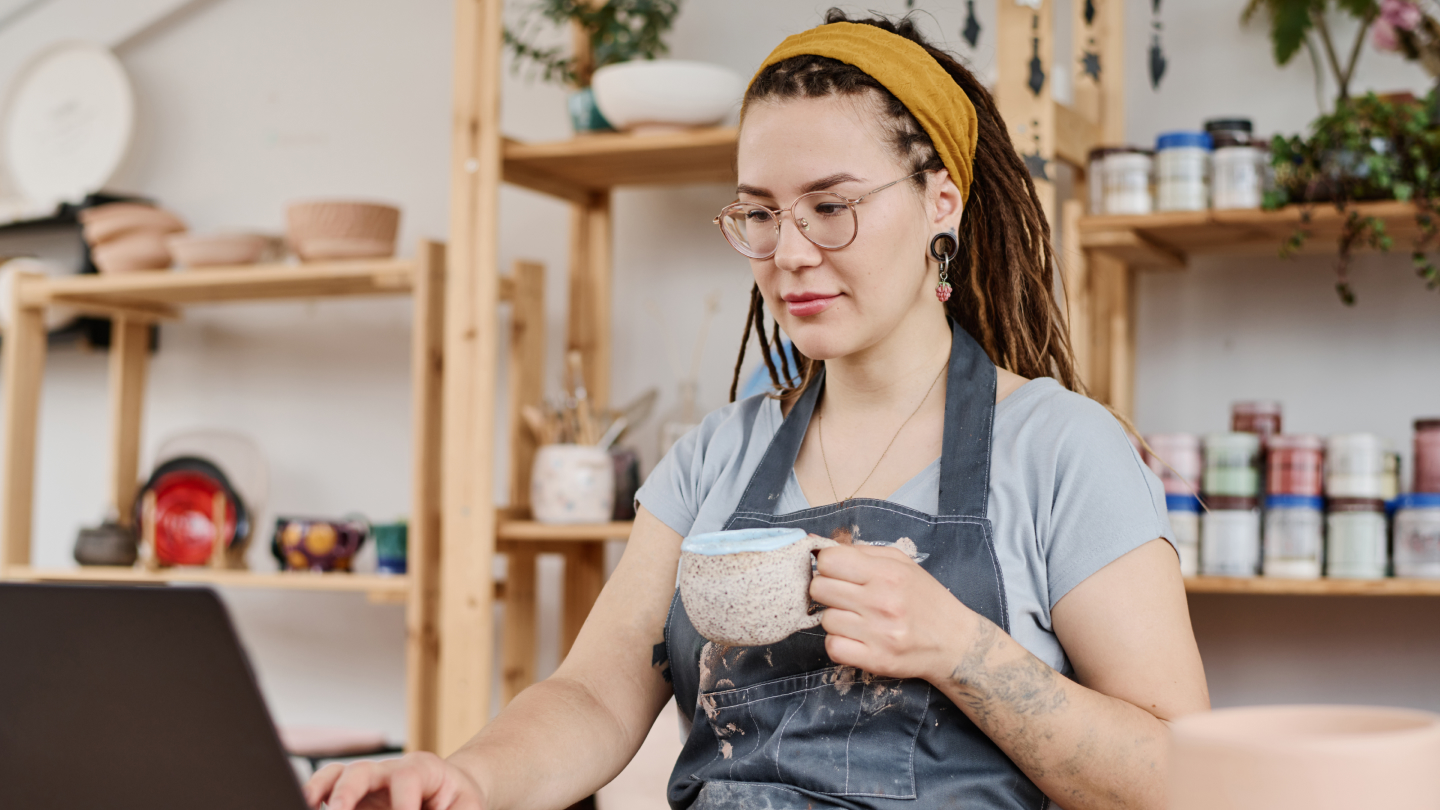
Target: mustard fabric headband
(908,72)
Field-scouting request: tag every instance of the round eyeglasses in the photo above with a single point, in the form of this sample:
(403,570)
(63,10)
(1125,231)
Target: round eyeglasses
(825,218)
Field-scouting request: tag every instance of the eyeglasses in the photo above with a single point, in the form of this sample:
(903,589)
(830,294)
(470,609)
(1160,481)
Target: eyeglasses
(825,218)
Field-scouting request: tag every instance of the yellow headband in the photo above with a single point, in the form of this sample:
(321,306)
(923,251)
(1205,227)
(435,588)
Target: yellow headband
(908,72)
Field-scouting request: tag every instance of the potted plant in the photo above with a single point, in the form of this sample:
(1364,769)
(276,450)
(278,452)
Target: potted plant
(615,31)
(1365,148)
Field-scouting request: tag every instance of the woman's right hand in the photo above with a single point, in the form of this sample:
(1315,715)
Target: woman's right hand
(412,782)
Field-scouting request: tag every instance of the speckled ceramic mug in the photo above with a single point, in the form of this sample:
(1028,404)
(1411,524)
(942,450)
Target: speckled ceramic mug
(749,587)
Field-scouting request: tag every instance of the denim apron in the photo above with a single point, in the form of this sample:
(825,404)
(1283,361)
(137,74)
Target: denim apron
(783,726)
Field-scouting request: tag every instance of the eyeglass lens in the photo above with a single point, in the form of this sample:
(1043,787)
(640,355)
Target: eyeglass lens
(825,219)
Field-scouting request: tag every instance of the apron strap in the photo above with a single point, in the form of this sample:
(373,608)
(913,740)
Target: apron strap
(762,494)
(969,423)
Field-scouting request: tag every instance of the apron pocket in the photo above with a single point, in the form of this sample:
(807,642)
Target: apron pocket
(838,731)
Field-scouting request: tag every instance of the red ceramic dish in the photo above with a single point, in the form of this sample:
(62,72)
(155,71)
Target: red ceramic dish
(184,518)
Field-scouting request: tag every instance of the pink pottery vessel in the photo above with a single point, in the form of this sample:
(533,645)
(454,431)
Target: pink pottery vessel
(340,229)
(1311,757)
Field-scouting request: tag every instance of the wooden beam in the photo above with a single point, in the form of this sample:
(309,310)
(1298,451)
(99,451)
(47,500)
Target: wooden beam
(526,372)
(584,578)
(518,637)
(129,364)
(471,355)
(1024,34)
(1076,281)
(1133,248)
(590,287)
(21,377)
(423,563)
(1075,136)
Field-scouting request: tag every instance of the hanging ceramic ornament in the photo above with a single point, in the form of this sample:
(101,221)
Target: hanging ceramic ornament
(971,31)
(1037,68)
(1157,52)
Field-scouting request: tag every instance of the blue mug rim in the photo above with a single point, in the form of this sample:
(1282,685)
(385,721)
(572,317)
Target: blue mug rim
(738,541)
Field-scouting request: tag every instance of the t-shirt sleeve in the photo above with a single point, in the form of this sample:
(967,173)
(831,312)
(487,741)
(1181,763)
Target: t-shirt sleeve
(1106,501)
(671,492)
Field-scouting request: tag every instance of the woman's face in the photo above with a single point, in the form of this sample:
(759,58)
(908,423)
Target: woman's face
(836,302)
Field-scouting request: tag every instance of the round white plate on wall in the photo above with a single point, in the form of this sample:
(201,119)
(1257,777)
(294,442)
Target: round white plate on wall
(67,123)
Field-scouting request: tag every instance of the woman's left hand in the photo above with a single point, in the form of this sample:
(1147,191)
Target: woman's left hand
(886,615)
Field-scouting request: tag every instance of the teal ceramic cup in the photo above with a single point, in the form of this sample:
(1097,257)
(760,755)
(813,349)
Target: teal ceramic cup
(391,546)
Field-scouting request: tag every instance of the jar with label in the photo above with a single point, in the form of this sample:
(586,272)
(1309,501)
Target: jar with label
(1095,177)
(1294,536)
(1231,465)
(1417,535)
(1355,466)
(1184,512)
(1295,465)
(1230,537)
(1126,174)
(1176,461)
(1427,455)
(1238,173)
(1355,543)
(1261,417)
(1182,171)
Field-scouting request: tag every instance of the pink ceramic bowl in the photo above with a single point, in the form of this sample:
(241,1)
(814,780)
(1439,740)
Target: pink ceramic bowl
(341,230)
(1315,757)
(217,250)
(135,251)
(106,223)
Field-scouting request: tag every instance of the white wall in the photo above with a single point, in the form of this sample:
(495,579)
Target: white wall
(246,105)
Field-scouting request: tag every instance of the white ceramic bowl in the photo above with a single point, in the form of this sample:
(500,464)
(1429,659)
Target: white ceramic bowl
(666,94)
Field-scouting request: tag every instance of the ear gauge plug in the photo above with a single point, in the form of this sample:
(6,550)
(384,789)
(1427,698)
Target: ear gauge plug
(943,248)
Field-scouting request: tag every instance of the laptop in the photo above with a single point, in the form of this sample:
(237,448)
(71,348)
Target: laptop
(132,697)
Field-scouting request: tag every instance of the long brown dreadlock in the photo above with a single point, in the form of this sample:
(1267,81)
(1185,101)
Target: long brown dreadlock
(1004,273)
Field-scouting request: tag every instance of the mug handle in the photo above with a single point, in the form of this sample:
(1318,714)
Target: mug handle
(814,543)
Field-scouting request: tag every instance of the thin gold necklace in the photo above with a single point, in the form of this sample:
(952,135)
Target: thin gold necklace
(821,431)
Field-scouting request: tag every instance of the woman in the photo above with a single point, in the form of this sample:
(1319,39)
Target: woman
(896,239)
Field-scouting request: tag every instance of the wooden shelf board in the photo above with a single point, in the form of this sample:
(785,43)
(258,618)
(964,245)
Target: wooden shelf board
(384,587)
(1314,587)
(530,530)
(161,290)
(1161,238)
(575,168)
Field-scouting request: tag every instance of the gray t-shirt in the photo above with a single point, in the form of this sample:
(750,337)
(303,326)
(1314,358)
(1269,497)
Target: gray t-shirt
(1068,493)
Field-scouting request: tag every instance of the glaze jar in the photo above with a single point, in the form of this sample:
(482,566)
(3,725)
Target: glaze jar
(1184,512)
(1182,171)
(1231,465)
(1126,175)
(1295,465)
(1417,535)
(1294,536)
(1427,455)
(1095,177)
(1176,461)
(1355,466)
(1355,538)
(1230,537)
(1237,179)
(1261,417)
(572,483)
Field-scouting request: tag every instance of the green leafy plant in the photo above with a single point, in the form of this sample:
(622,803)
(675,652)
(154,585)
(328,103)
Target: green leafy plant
(617,30)
(1296,24)
(1369,148)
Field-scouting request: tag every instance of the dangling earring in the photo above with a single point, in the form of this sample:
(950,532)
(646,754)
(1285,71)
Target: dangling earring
(943,248)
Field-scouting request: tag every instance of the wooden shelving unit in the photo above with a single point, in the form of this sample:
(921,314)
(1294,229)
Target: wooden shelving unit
(575,168)
(134,302)
(1275,586)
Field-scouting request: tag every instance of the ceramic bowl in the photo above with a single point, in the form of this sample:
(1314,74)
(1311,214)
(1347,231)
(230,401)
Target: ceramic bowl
(132,252)
(217,250)
(309,544)
(1316,757)
(666,94)
(107,223)
(341,230)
